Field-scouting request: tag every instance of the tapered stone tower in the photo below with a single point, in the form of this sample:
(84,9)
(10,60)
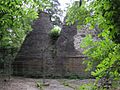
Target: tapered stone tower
(35,50)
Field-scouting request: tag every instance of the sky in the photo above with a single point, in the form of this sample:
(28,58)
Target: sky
(63,5)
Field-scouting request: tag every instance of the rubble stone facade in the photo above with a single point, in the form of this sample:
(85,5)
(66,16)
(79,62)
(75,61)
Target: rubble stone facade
(38,56)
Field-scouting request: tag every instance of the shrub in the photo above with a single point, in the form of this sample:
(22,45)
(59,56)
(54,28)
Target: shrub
(55,33)
(89,86)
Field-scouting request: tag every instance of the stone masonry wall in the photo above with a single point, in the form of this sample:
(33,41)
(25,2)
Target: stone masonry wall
(38,56)
(35,50)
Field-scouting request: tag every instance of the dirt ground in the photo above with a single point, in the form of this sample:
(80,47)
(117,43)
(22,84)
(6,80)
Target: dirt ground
(19,83)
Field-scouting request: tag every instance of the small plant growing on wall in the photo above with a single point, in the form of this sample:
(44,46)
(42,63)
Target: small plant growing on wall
(55,33)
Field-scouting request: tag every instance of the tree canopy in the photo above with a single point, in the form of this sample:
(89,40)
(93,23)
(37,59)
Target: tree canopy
(104,54)
(16,17)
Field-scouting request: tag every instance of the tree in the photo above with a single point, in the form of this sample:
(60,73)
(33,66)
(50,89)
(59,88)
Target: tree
(16,17)
(104,54)
(55,12)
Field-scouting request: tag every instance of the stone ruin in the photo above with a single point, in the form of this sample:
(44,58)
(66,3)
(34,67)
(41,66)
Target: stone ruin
(39,57)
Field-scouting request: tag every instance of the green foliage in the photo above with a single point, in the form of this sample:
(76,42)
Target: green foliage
(16,17)
(39,85)
(92,86)
(55,12)
(55,33)
(106,15)
(76,13)
(88,87)
(103,54)
(65,83)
